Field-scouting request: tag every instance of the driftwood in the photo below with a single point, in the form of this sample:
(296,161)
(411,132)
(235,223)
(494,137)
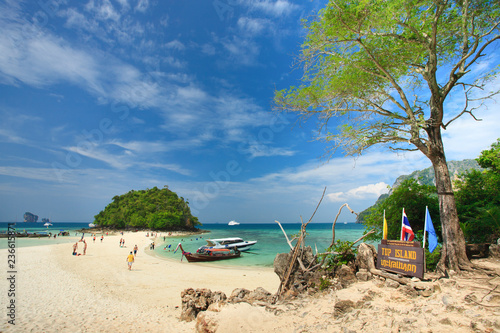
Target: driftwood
(335,221)
(297,251)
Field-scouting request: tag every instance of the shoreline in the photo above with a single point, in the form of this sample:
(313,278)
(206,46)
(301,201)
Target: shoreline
(56,291)
(95,292)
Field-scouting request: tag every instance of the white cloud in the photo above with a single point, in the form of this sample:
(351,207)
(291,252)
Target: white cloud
(371,191)
(102,10)
(274,8)
(252,26)
(175,45)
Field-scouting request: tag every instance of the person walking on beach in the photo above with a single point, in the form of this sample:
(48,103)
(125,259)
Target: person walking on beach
(130,260)
(102,237)
(84,247)
(135,250)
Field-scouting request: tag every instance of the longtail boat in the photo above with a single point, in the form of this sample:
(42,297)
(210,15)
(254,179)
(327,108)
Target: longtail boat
(209,254)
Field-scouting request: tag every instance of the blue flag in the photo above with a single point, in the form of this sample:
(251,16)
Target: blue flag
(429,228)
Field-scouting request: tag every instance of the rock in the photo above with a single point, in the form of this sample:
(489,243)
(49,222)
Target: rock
(477,250)
(366,257)
(195,301)
(205,324)
(494,250)
(363,275)
(391,284)
(342,307)
(259,294)
(426,292)
(281,263)
(345,275)
(238,295)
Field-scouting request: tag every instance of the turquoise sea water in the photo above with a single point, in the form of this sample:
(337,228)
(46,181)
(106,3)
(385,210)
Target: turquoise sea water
(39,228)
(269,237)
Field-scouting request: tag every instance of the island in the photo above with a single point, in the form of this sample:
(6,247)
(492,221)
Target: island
(30,217)
(157,209)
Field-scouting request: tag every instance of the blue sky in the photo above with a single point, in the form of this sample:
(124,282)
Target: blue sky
(99,97)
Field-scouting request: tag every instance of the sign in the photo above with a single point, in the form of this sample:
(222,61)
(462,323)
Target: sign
(404,258)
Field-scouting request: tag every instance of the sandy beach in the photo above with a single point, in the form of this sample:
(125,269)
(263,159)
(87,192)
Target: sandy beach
(58,292)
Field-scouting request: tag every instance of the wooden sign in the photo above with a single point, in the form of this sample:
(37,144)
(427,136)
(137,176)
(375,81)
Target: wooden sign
(406,259)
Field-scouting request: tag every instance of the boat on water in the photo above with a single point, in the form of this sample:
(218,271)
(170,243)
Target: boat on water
(48,224)
(233,223)
(91,225)
(203,255)
(228,243)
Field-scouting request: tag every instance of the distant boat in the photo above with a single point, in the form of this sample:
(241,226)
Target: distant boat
(91,225)
(233,223)
(48,224)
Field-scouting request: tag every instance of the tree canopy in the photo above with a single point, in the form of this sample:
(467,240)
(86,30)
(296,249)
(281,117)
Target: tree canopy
(411,196)
(152,208)
(478,198)
(384,69)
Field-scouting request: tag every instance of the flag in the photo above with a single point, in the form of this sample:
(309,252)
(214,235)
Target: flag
(406,232)
(384,235)
(429,228)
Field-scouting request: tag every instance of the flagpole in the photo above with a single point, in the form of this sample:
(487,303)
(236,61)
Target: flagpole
(384,235)
(425,225)
(402,223)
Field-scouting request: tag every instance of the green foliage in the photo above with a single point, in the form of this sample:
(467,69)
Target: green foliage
(151,208)
(367,62)
(432,259)
(324,283)
(478,198)
(411,196)
(344,254)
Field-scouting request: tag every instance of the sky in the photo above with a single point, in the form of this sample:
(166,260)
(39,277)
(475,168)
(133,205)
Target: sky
(99,97)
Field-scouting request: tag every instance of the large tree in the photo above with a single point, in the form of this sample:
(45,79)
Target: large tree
(385,69)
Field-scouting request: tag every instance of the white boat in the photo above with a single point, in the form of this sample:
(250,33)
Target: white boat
(48,224)
(91,225)
(228,243)
(233,223)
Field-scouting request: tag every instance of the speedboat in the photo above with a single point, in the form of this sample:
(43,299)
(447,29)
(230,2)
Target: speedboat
(91,225)
(228,243)
(48,224)
(233,223)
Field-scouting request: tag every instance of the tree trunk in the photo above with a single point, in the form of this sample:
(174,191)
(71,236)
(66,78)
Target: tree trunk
(453,255)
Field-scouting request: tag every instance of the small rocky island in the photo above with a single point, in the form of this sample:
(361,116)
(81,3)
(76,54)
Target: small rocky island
(30,217)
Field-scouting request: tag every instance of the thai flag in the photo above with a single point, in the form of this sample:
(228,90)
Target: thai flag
(406,232)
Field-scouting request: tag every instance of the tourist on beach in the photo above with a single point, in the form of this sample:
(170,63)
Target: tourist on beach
(84,247)
(121,242)
(130,260)
(102,237)
(135,250)
(75,246)
(94,238)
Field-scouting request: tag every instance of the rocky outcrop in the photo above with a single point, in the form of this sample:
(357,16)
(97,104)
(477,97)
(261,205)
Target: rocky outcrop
(195,302)
(30,217)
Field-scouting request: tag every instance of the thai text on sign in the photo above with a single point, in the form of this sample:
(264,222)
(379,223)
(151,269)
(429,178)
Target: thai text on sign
(406,260)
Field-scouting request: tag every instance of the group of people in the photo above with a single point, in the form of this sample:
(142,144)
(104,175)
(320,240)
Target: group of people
(75,248)
(122,242)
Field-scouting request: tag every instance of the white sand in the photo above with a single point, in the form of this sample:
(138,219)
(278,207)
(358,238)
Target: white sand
(58,292)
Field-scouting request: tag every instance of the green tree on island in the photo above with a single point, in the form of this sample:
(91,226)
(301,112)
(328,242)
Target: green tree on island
(478,199)
(152,208)
(385,70)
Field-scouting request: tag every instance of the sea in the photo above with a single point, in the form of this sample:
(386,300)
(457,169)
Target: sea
(270,238)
